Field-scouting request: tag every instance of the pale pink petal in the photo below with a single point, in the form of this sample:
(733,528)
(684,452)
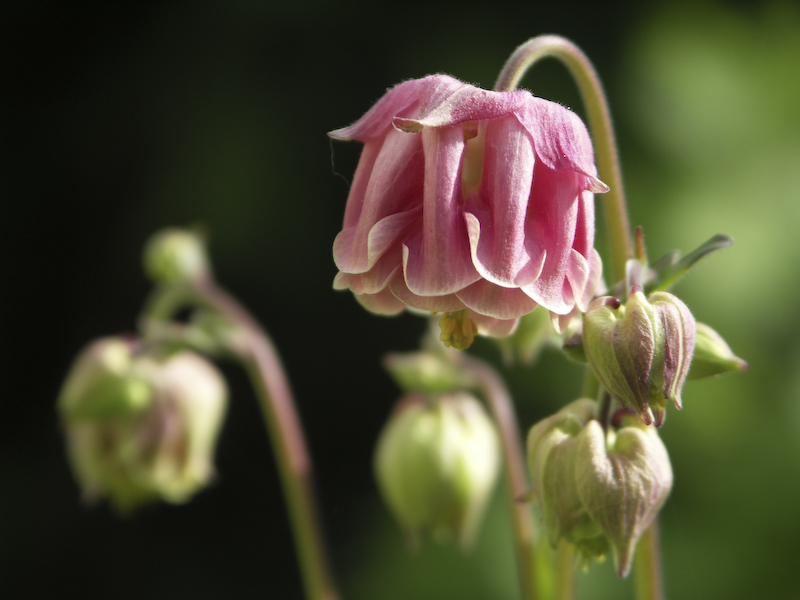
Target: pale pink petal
(436,257)
(378,119)
(382,303)
(497,328)
(495,216)
(494,301)
(394,190)
(448,101)
(445,303)
(552,216)
(577,277)
(562,322)
(560,139)
(374,280)
(594,282)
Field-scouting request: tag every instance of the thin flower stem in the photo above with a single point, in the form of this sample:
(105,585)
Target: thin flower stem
(502,409)
(619,234)
(565,571)
(647,566)
(254,348)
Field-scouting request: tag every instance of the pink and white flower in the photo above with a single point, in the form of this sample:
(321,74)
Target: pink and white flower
(468,198)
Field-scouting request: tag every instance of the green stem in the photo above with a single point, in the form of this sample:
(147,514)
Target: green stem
(619,234)
(502,409)
(647,566)
(565,571)
(258,355)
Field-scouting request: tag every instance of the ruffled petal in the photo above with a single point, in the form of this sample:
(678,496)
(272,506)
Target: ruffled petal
(436,256)
(497,328)
(400,100)
(382,303)
(446,303)
(374,280)
(495,216)
(552,216)
(494,301)
(379,212)
(560,139)
(448,101)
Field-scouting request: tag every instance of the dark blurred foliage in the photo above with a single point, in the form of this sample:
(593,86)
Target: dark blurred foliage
(121,119)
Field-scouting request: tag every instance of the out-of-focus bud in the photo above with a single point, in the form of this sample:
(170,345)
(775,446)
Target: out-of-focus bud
(532,334)
(436,464)
(573,344)
(425,372)
(641,351)
(162,450)
(176,256)
(598,490)
(712,355)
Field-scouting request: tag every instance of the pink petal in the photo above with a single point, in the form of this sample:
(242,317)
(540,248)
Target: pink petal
(497,328)
(494,301)
(552,216)
(374,280)
(447,101)
(382,303)
(436,257)
(378,119)
(376,217)
(446,303)
(560,139)
(495,216)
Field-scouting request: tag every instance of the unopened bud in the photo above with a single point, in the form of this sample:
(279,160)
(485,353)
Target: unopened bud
(175,256)
(436,464)
(641,351)
(163,450)
(712,355)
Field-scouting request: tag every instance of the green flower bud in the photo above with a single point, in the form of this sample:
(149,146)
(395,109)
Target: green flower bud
(534,332)
(424,372)
(175,256)
(641,351)
(623,481)
(436,464)
(597,490)
(712,355)
(163,450)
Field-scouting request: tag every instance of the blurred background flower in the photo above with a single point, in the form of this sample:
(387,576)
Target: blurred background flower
(118,121)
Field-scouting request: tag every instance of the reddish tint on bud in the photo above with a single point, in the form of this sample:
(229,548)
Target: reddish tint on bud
(641,351)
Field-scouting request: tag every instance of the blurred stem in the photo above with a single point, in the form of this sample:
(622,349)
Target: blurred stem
(647,566)
(565,571)
(502,409)
(257,353)
(594,99)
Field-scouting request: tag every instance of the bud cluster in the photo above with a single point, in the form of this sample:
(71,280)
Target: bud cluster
(598,489)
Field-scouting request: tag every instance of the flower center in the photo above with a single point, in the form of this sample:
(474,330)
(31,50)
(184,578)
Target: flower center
(458,329)
(472,159)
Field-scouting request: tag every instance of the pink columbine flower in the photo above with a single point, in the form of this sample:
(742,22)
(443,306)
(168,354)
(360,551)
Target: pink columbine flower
(466,198)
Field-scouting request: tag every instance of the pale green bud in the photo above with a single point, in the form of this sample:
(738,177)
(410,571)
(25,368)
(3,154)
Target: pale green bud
(176,256)
(623,481)
(597,490)
(641,351)
(712,355)
(425,372)
(534,331)
(162,451)
(436,464)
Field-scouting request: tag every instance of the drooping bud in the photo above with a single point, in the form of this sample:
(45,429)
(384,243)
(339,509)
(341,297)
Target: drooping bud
(598,490)
(712,355)
(641,352)
(623,481)
(176,256)
(425,372)
(533,333)
(436,464)
(162,449)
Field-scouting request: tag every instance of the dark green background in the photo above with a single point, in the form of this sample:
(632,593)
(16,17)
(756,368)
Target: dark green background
(121,120)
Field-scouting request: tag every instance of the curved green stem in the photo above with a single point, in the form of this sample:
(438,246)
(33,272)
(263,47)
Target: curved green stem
(258,355)
(647,566)
(619,234)
(502,409)
(565,571)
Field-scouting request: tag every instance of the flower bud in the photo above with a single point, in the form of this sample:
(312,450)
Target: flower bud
(175,256)
(436,464)
(641,351)
(163,449)
(712,355)
(597,490)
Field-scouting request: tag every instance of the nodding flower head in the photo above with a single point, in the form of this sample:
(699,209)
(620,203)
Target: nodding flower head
(470,199)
